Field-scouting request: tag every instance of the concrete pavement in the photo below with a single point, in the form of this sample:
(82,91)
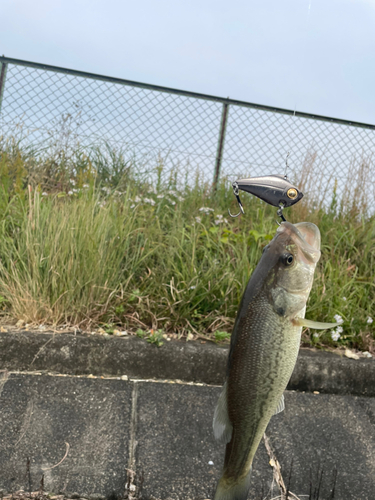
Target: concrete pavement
(95,435)
(162,431)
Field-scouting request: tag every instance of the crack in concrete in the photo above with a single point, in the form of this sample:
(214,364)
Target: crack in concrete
(110,377)
(130,471)
(41,349)
(3,380)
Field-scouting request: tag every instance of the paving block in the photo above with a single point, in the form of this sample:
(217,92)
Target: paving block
(175,444)
(40,414)
(322,433)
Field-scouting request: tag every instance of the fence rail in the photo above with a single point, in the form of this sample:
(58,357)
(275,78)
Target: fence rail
(214,135)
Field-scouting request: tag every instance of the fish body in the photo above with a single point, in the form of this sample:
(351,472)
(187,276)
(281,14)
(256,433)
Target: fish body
(263,351)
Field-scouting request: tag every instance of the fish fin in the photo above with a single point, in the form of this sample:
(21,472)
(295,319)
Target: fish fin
(280,406)
(237,491)
(221,424)
(313,324)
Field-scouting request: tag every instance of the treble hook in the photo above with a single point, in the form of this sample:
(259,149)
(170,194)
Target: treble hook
(237,195)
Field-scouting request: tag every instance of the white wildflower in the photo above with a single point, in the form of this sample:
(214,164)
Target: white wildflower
(344,298)
(180,198)
(339,329)
(86,186)
(106,190)
(137,199)
(76,190)
(160,196)
(192,287)
(335,335)
(316,335)
(369,320)
(206,210)
(173,203)
(132,206)
(338,319)
(198,219)
(72,182)
(44,193)
(149,200)
(70,193)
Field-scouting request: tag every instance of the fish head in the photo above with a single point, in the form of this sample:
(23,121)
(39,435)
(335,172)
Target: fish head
(294,251)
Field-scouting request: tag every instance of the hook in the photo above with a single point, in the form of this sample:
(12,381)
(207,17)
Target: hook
(237,195)
(280,212)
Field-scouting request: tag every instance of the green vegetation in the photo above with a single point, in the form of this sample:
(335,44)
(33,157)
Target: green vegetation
(85,240)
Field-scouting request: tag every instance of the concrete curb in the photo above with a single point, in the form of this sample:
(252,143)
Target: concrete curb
(83,354)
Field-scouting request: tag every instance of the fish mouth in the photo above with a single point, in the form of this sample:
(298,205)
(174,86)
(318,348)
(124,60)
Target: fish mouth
(306,236)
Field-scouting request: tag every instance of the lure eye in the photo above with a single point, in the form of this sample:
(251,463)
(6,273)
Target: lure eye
(292,193)
(287,259)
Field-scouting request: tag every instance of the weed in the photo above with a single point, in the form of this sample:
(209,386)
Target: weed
(109,328)
(156,338)
(86,240)
(221,336)
(141,333)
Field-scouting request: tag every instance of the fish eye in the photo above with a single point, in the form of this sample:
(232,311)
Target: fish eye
(287,259)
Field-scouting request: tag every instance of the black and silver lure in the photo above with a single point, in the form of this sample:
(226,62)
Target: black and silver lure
(275,190)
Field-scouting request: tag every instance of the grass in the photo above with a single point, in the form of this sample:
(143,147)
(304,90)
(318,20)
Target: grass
(85,240)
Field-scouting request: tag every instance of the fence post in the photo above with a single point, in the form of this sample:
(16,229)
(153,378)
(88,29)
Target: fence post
(220,144)
(3,74)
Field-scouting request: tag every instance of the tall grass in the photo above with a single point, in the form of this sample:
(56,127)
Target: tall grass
(85,241)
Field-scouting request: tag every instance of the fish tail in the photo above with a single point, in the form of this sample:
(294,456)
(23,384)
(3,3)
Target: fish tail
(236,490)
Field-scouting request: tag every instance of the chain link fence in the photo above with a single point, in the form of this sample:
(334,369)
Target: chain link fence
(191,134)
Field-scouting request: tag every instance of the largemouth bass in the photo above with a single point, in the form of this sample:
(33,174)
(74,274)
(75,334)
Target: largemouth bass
(263,350)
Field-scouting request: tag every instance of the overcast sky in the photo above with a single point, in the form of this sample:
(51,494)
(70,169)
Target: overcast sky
(316,56)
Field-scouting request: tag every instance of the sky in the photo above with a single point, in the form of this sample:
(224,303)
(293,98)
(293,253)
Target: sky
(316,56)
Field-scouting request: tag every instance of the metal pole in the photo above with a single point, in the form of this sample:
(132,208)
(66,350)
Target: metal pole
(3,75)
(220,144)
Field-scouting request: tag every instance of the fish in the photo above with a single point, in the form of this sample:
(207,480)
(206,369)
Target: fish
(263,350)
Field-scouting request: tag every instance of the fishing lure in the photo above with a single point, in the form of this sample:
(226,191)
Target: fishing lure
(275,190)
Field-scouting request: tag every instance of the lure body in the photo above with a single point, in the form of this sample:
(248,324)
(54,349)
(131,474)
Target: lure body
(275,190)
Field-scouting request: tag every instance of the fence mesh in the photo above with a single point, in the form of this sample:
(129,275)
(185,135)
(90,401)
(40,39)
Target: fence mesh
(49,106)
